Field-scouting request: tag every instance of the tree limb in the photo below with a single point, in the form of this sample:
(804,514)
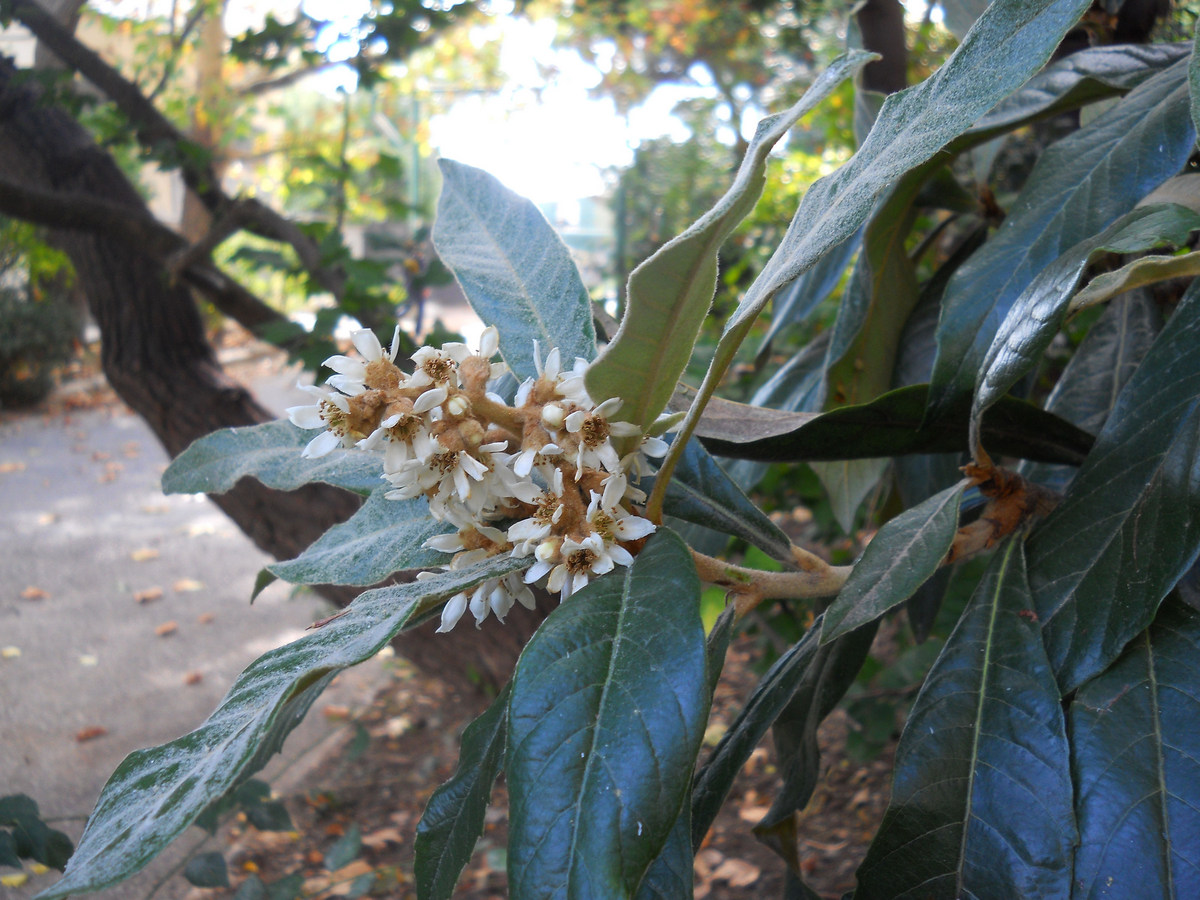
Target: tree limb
(155,132)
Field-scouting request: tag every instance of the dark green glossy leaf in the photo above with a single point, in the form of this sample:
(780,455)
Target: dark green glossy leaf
(207,870)
(453,818)
(251,889)
(515,270)
(31,838)
(1087,389)
(796,302)
(1136,757)
(609,702)
(1089,75)
(701,493)
(1129,526)
(271,453)
(670,294)
(1011,41)
(670,876)
(1139,273)
(893,425)
(1077,188)
(981,800)
(270,815)
(901,557)
(1038,313)
(1194,80)
(798,756)
(769,699)
(156,793)
(382,537)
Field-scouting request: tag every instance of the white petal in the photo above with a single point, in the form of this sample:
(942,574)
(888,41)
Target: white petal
(395,344)
(489,342)
(536,571)
(471,466)
(447,543)
(553,363)
(324,443)
(452,612)
(347,384)
(623,429)
(479,605)
(603,564)
(430,399)
(367,344)
(494,447)
(620,555)
(609,406)
(575,421)
(630,528)
(655,447)
(306,416)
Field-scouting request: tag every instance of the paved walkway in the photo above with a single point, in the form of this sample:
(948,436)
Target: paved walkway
(124,613)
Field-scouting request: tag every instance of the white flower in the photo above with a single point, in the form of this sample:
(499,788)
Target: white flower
(614,523)
(593,430)
(550,508)
(329,412)
(435,367)
(495,595)
(352,373)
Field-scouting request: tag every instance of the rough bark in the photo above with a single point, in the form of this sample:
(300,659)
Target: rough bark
(156,357)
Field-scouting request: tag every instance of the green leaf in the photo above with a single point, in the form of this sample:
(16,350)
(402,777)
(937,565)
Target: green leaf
(251,889)
(847,483)
(207,870)
(1134,747)
(1010,42)
(832,670)
(382,537)
(344,850)
(796,302)
(981,799)
(670,293)
(1129,526)
(1139,273)
(1079,186)
(866,335)
(893,425)
(768,701)
(609,702)
(901,557)
(1194,80)
(514,268)
(1093,74)
(156,793)
(453,818)
(670,876)
(8,850)
(1038,313)
(31,838)
(960,15)
(270,452)
(701,493)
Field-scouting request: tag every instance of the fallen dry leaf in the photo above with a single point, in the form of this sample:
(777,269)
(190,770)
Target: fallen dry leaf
(47,518)
(166,628)
(156,509)
(206,618)
(753,814)
(111,471)
(141,554)
(149,595)
(193,678)
(9,652)
(737,872)
(187,585)
(7,467)
(336,712)
(378,840)
(100,455)
(88,660)
(90,733)
(130,449)
(33,593)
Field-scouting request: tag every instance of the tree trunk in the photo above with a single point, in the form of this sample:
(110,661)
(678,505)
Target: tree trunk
(881,23)
(158,360)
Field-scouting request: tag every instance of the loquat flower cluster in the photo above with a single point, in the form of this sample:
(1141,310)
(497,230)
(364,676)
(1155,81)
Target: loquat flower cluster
(547,477)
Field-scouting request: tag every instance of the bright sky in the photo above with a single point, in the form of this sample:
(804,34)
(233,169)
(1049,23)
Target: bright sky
(555,147)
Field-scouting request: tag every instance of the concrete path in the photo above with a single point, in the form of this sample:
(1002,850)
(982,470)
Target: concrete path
(124,613)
